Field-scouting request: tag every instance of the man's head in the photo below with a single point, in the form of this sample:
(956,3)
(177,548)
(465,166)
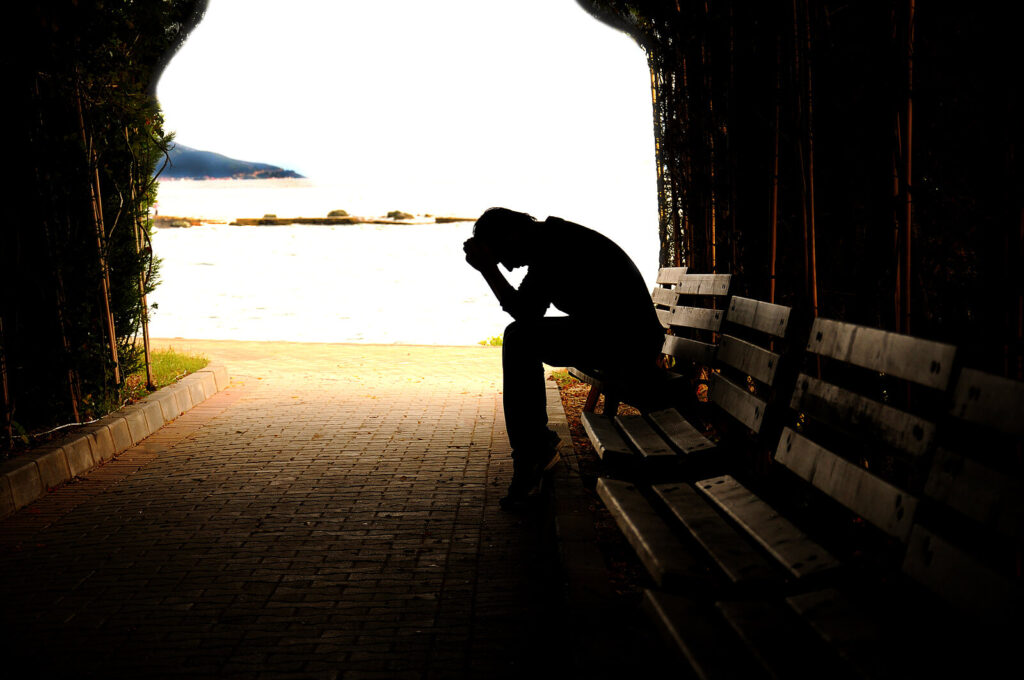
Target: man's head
(507,234)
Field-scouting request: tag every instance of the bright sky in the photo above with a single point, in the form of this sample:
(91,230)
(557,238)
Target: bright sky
(446,106)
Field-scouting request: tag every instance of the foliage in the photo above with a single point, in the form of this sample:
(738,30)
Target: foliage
(338,213)
(86,138)
(562,378)
(832,91)
(494,341)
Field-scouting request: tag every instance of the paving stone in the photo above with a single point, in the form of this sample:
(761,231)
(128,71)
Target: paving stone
(154,415)
(23,479)
(182,397)
(100,441)
(138,427)
(333,510)
(119,432)
(53,466)
(78,450)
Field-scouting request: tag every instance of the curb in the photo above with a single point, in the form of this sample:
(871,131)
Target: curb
(586,579)
(28,476)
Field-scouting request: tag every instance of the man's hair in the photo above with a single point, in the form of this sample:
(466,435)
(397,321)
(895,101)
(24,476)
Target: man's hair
(492,225)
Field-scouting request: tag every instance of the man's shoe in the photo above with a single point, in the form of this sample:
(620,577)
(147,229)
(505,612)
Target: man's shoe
(528,474)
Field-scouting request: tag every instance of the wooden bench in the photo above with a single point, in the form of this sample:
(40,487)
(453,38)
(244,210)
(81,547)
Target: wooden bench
(728,344)
(868,546)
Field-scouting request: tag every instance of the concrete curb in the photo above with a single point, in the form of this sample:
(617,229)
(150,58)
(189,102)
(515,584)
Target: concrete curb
(587,580)
(28,476)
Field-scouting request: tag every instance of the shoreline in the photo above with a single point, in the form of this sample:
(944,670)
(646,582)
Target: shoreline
(175,222)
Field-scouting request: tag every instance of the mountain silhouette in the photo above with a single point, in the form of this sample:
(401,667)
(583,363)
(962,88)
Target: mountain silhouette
(189,163)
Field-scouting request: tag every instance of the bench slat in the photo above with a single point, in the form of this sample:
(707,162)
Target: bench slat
(583,376)
(697,317)
(880,503)
(737,402)
(740,562)
(702,353)
(648,442)
(855,636)
(706,643)
(922,361)
(607,441)
(761,316)
(671,275)
(664,316)
(990,400)
(679,432)
(665,296)
(704,284)
(755,361)
(785,647)
(654,542)
(958,578)
(977,491)
(859,415)
(792,548)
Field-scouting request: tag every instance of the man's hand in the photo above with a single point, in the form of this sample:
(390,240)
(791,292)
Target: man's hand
(478,255)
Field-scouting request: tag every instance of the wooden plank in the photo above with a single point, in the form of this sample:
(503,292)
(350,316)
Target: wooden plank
(643,437)
(704,284)
(712,650)
(654,542)
(761,316)
(583,376)
(671,275)
(793,549)
(922,361)
(755,361)
(664,316)
(607,441)
(990,498)
(887,507)
(702,353)
(697,317)
(785,647)
(679,432)
(737,558)
(737,402)
(959,579)
(862,417)
(856,636)
(665,296)
(990,400)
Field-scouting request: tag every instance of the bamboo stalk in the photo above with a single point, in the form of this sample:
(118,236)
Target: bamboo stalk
(774,209)
(809,119)
(908,184)
(137,231)
(5,392)
(97,214)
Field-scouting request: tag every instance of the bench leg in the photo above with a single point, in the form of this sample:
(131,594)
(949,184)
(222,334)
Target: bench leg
(611,406)
(592,397)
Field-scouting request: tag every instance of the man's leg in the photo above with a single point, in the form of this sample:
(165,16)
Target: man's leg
(526,346)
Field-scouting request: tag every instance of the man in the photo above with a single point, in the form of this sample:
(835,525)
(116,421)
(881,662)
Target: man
(610,324)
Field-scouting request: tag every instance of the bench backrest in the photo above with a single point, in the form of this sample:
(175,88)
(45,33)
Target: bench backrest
(849,440)
(691,308)
(732,337)
(966,546)
(748,359)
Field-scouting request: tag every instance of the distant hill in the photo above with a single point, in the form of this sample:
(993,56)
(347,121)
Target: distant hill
(189,163)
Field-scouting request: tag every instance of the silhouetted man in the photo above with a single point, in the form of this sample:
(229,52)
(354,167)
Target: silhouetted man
(610,324)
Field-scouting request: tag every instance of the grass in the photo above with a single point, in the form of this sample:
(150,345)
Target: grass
(169,365)
(562,377)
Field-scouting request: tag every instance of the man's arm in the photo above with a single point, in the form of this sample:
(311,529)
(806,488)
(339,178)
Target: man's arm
(482,259)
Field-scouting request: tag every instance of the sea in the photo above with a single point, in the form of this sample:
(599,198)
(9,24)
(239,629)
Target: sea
(360,283)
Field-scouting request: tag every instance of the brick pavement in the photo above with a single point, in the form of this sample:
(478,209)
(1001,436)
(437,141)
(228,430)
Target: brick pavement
(331,514)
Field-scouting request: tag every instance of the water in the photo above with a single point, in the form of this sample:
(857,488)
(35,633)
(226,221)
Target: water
(362,283)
